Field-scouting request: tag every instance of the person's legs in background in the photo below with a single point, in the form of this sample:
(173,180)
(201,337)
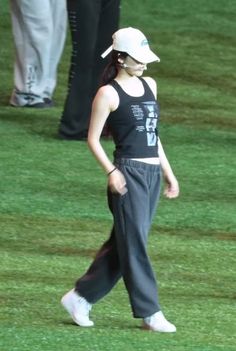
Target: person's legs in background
(83,21)
(33,33)
(108,24)
(59,20)
(91,26)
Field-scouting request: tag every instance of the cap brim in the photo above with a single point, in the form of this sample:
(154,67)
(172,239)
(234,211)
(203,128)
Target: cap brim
(146,56)
(107,52)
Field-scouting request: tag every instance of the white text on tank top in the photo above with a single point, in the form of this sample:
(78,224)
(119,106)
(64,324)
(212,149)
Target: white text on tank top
(150,109)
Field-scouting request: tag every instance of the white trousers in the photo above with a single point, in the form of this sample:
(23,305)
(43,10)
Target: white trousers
(39,31)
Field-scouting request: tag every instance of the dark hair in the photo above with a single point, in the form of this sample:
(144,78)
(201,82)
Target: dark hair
(112,68)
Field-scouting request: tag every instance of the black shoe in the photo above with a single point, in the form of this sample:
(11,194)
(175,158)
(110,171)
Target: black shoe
(49,102)
(39,105)
(81,136)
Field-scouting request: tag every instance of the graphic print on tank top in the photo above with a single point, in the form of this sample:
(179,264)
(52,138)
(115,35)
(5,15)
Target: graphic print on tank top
(146,115)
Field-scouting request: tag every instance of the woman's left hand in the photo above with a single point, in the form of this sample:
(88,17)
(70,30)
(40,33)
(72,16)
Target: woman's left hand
(172,188)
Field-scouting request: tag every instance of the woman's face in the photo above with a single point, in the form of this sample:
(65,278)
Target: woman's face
(134,67)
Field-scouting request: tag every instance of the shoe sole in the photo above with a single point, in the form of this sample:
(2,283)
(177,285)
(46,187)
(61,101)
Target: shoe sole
(68,305)
(149,328)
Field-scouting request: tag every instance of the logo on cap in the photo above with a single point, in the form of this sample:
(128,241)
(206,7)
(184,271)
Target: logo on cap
(144,42)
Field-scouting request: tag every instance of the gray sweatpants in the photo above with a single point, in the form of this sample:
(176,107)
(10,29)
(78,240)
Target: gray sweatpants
(124,254)
(39,31)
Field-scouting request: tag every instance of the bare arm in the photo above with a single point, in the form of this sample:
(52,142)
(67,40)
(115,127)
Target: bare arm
(172,186)
(105,101)
(102,106)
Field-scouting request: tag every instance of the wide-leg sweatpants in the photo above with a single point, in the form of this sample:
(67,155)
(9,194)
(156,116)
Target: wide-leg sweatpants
(124,254)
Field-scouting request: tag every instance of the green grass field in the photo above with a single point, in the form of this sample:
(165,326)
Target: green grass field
(53,212)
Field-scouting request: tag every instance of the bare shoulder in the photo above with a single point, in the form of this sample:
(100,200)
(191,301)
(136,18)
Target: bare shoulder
(152,84)
(107,95)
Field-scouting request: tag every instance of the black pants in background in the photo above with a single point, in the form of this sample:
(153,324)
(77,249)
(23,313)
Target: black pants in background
(92,23)
(125,253)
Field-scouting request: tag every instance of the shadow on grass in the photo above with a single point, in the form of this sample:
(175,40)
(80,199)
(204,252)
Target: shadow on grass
(194,233)
(49,250)
(103,325)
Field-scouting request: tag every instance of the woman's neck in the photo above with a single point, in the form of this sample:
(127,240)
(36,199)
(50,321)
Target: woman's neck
(124,76)
(132,85)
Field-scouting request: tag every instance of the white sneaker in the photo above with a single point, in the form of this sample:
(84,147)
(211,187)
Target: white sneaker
(157,322)
(78,308)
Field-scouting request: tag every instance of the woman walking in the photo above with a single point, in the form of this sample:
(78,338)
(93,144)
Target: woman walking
(127,103)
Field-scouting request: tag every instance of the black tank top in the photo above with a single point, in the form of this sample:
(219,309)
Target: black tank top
(134,124)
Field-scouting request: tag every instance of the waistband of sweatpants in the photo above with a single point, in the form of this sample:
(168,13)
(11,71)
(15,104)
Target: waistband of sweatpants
(136,164)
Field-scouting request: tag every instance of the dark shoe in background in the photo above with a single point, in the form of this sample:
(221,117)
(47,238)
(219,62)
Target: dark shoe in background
(46,104)
(80,136)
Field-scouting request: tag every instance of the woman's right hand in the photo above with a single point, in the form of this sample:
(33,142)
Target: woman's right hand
(117,182)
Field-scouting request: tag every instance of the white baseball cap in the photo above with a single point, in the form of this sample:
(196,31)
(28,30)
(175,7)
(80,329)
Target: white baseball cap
(134,43)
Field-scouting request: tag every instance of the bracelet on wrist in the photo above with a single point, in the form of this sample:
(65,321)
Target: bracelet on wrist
(111,171)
